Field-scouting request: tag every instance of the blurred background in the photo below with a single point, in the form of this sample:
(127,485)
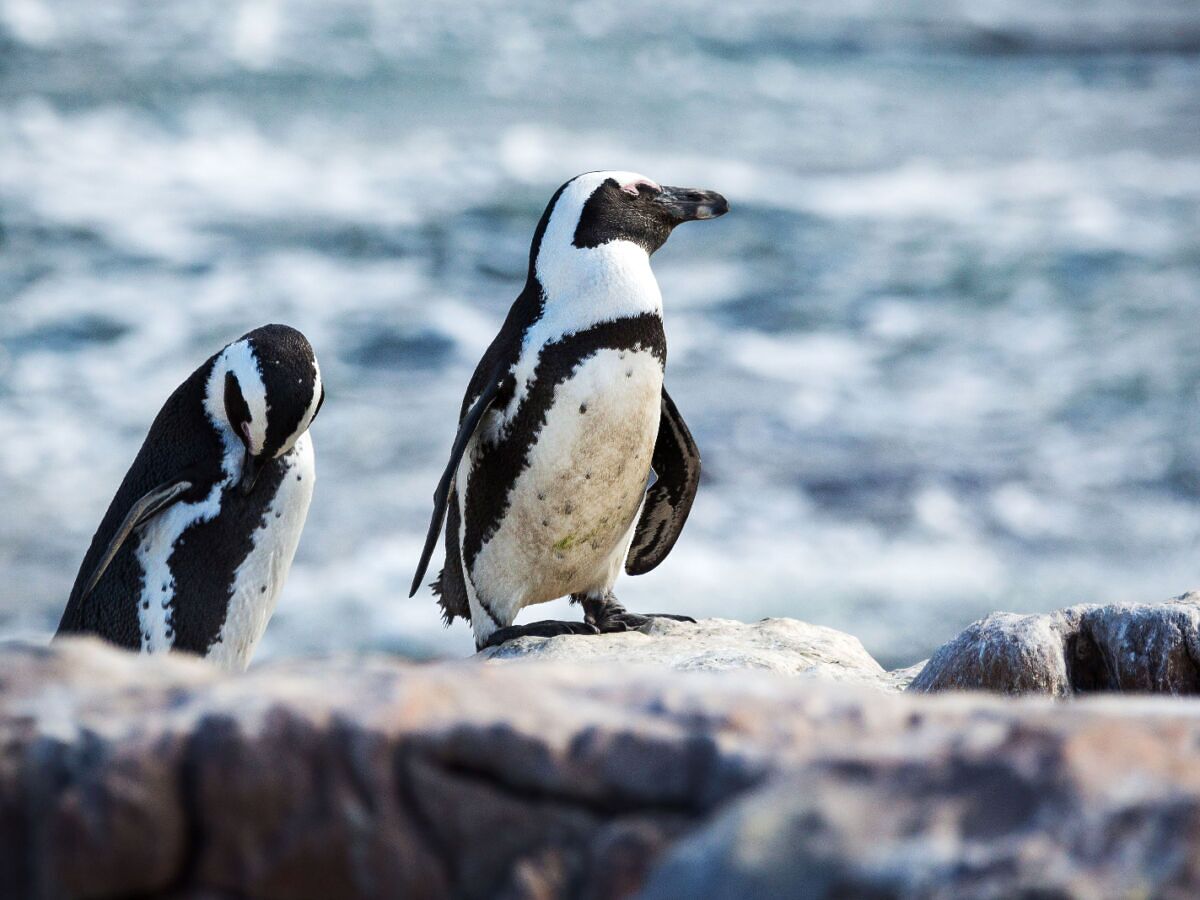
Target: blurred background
(942,358)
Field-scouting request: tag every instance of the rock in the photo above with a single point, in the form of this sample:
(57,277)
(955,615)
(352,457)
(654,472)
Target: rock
(375,777)
(900,679)
(1104,802)
(785,646)
(1147,648)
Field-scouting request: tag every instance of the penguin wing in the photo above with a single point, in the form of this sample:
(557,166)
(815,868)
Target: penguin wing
(676,462)
(466,430)
(143,509)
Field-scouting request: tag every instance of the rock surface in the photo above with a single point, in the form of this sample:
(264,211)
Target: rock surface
(785,646)
(1146,648)
(126,775)
(1102,803)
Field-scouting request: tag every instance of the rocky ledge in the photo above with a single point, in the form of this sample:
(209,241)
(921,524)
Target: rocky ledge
(783,646)
(122,775)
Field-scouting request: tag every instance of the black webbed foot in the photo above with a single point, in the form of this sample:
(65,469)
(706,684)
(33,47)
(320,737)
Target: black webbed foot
(627,621)
(545,628)
(609,616)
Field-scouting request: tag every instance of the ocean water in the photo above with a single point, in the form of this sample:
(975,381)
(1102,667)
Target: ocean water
(943,357)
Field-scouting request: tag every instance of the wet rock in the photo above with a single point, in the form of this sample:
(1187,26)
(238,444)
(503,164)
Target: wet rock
(1142,648)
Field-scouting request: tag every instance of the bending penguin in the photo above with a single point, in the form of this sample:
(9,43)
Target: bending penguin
(545,493)
(195,547)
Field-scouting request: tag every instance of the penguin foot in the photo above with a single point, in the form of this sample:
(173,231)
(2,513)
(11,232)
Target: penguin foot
(627,621)
(545,628)
(609,616)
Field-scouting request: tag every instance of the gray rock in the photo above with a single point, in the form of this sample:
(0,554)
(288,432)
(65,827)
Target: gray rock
(784,646)
(1147,648)
(1021,805)
(126,775)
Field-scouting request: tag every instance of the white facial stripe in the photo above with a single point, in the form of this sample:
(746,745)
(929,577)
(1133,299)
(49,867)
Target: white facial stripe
(239,359)
(566,271)
(214,406)
(306,419)
(564,219)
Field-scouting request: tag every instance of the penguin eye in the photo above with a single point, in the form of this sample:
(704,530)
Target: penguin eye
(634,188)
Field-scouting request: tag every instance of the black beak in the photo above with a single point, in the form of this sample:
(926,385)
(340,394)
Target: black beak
(689,204)
(251,466)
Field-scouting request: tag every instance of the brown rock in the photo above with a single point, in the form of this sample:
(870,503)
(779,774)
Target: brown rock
(126,775)
(1084,807)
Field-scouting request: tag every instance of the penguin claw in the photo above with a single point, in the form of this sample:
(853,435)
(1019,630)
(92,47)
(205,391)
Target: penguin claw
(545,628)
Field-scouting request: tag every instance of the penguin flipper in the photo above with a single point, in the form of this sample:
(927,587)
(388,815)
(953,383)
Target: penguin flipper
(466,431)
(143,509)
(676,462)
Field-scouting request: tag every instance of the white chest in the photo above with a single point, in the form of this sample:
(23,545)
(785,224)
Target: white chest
(571,509)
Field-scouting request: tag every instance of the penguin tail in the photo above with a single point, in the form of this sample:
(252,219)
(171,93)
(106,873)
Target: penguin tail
(446,600)
(449,587)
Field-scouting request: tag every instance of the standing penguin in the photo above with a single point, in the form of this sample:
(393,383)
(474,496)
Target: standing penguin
(545,493)
(196,545)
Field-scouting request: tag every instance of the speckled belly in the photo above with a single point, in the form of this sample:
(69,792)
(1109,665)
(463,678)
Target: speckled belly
(571,509)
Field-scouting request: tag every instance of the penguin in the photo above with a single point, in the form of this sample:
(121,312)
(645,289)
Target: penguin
(547,492)
(196,544)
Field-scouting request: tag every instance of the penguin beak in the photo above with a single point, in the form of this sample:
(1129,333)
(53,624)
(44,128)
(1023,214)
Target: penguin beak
(689,204)
(251,466)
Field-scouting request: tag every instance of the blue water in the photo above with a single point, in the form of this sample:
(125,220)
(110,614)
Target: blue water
(942,358)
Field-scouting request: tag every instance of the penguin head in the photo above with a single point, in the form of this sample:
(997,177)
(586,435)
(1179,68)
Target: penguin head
(599,208)
(601,220)
(263,392)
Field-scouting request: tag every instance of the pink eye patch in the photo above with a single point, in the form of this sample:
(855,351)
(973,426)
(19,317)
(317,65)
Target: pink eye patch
(632,187)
